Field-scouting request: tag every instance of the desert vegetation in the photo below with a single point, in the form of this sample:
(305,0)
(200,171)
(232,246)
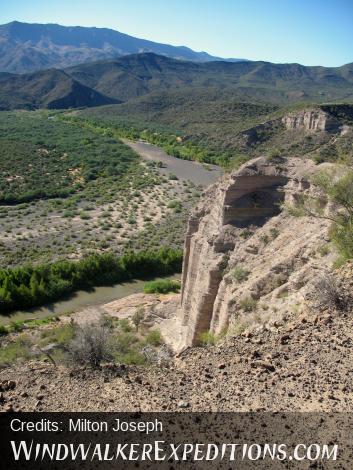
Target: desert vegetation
(240,274)
(70,191)
(163,286)
(336,187)
(30,286)
(91,345)
(43,157)
(217,127)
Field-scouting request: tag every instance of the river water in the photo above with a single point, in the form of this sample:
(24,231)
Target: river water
(80,300)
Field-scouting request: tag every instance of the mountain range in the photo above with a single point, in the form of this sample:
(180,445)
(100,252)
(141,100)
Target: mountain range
(136,75)
(131,77)
(28,47)
(70,67)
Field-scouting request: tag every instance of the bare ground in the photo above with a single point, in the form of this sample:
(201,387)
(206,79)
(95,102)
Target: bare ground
(303,364)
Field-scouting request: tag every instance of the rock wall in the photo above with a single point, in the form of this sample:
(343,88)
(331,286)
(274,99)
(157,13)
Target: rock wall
(240,226)
(311,120)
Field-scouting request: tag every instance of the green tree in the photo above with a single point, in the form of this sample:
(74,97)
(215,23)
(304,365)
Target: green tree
(337,188)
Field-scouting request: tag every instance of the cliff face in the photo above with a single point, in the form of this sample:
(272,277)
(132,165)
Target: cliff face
(244,256)
(311,120)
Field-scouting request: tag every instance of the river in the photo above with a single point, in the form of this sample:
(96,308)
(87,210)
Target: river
(80,300)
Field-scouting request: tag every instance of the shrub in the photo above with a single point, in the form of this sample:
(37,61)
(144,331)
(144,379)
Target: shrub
(328,295)
(125,342)
(265,240)
(69,214)
(3,330)
(133,358)
(18,349)
(85,216)
(240,274)
(223,265)
(162,286)
(126,349)
(91,345)
(207,338)
(238,328)
(274,232)
(161,356)
(338,188)
(138,317)
(246,233)
(16,326)
(176,205)
(154,338)
(283,295)
(60,335)
(295,210)
(324,249)
(275,155)
(125,325)
(248,304)
(342,237)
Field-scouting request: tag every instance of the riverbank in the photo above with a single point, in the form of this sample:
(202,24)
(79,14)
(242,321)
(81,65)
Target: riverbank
(31,286)
(96,298)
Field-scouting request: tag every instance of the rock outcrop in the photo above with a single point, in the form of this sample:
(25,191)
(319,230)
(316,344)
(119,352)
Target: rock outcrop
(244,255)
(311,120)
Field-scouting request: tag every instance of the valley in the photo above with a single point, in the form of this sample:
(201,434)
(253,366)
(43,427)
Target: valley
(52,229)
(105,206)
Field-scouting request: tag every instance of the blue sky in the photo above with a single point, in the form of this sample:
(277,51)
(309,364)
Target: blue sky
(311,32)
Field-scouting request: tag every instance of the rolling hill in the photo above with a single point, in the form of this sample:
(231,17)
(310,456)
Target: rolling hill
(30,47)
(140,74)
(53,89)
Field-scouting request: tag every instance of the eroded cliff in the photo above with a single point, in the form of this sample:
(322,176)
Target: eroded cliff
(245,257)
(311,120)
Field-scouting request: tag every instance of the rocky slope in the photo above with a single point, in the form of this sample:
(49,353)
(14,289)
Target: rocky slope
(302,362)
(305,131)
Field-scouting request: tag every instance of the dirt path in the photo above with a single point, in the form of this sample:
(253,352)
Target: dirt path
(184,169)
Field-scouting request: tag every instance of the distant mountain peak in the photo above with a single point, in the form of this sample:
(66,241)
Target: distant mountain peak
(28,47)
